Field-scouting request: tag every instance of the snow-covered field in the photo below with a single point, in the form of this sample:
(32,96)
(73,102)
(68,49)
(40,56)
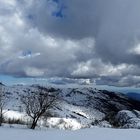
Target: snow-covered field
(84,134)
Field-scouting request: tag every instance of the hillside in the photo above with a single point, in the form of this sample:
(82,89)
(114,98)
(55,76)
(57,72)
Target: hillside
(79,108)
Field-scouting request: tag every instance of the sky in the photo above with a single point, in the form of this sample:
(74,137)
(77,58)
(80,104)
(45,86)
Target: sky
(70,41)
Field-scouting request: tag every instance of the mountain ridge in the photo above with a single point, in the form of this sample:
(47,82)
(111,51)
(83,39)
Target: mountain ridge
(87,106)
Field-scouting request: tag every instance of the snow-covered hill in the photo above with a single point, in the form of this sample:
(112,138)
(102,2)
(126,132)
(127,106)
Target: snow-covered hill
(78,108)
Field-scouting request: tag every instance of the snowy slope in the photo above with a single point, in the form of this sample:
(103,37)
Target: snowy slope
(76,108)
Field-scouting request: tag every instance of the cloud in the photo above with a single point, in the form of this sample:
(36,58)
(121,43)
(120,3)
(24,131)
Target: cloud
(92,41)
(113,24)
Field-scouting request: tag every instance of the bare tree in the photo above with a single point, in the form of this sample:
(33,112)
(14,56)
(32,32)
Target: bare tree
(2,103)
(37,103)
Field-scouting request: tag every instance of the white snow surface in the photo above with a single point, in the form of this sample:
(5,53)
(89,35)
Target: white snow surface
(84,134)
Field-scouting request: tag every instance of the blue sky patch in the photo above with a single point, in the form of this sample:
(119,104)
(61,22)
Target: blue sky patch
(57,1)
(59,12)
(26,53)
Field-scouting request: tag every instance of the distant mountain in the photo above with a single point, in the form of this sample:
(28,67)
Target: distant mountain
(1,84)
(134,95)
(83,107)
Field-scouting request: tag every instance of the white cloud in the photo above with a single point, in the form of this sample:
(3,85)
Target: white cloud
(33,72)
(135,50)
(98,46)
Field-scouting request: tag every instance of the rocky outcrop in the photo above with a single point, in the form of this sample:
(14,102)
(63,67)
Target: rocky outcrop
(128,119)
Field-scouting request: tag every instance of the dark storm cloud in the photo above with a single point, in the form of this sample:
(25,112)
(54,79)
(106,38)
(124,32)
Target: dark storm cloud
(92,39)
(76,15)
(114,24)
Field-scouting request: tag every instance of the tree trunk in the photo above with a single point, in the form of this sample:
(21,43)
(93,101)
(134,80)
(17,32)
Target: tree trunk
(1,117)
(34,123)
(1,120)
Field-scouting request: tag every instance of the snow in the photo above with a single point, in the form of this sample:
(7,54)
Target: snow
(64,123)
(10,114)
(89,134)
(76,108)
(51,122)
(129,119)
